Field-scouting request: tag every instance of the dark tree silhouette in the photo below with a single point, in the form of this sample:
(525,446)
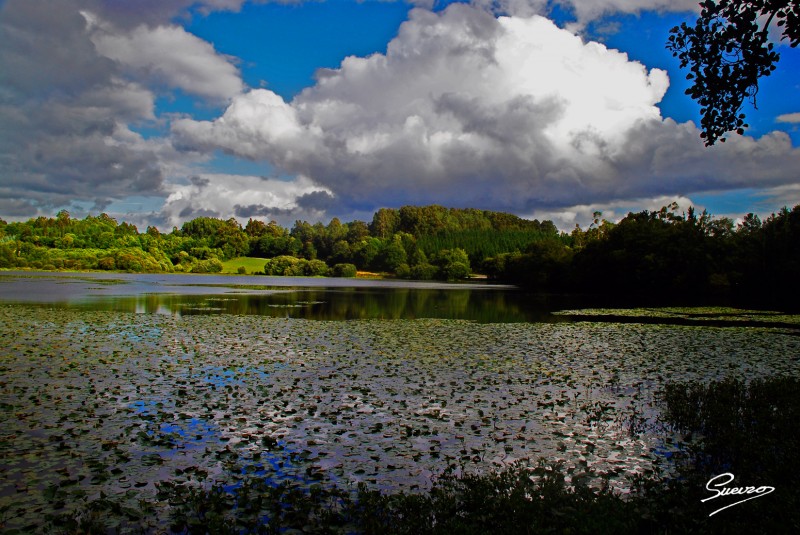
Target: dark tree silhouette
(727,51)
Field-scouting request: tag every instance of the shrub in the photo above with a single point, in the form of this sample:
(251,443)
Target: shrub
(403,271)
(285,266)
(316,268)
(344,270)
(424,272)
(212,265)
(107,263)
(746,428)
(453,264)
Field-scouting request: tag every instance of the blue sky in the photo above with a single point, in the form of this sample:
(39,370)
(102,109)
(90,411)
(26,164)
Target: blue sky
(233,108)
(283,45)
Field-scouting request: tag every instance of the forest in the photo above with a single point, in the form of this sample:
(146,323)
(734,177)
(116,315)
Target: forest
(430,242)
(656,252)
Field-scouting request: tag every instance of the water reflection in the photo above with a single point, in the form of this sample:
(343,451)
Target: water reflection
(485,306)
(307,298)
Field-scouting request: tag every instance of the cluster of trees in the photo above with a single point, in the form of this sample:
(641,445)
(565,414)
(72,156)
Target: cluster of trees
(291,266)
(647,252)
(91,243)
(411,242)
(663,252)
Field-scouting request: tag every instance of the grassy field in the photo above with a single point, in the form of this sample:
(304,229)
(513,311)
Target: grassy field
(251,264)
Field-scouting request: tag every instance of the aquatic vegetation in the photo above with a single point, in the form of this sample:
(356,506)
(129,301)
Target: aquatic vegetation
(120,406)
(689,315)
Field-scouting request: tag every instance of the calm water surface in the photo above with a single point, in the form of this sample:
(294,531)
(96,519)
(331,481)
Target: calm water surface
(309,298)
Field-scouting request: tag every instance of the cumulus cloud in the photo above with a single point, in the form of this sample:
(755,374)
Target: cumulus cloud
(583,215)
(221,195)
(127,14)
(465,108)
(76,77)
(65,113)
(169,56)
(509,113)
(252,122)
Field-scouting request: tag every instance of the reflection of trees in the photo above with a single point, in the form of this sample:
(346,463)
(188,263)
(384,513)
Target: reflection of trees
(485,306)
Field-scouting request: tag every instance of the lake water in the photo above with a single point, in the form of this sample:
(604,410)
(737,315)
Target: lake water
(306,297)
(309,298)
(116,383)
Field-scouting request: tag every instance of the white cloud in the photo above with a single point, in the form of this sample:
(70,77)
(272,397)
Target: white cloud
(464,109)
(154,12)
(589,10)
(517,8)
(73,111)
(773,199)
(789,118)
(168,55)
(566,218)
(507,113)
(586,10)
(223,195)
(254,122)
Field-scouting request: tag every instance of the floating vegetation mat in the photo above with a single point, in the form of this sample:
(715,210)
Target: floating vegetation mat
(714,316)
(99,404)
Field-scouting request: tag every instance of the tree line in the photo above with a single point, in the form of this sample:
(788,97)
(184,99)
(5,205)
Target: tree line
(655,252)
(666,253)
(430,242)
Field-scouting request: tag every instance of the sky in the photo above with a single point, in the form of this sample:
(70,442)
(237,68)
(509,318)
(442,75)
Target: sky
(159,111)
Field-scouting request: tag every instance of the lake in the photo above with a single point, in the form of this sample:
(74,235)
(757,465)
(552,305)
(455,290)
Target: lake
(114,384)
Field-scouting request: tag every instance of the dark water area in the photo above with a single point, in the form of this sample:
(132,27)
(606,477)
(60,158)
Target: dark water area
(329,299)
(308,298)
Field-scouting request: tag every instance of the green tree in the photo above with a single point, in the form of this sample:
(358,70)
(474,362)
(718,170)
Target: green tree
(270,245)
(286,266)
(63,221)
(357,231)
(365,252)
(453,264)
(647,252)
(212,265)
(424,272)
(393,255)
(315,268)
(8,258)
(384,223)
(727,52)
(340,252)
(308,251)
(344,270)
(227,236)
(255,228)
